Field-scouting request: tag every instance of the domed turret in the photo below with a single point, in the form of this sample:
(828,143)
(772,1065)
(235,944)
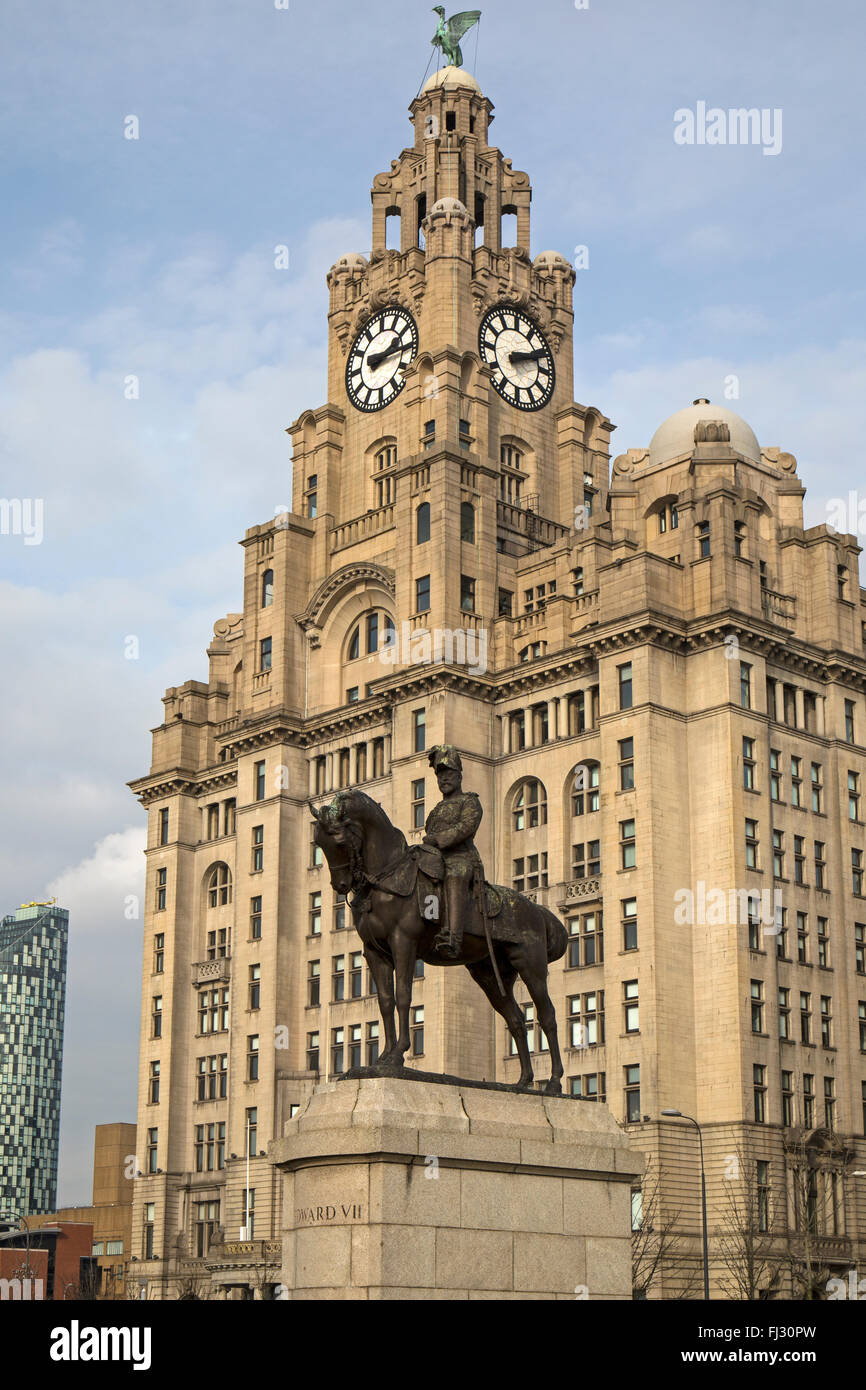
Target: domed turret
(678,435)
(450,77)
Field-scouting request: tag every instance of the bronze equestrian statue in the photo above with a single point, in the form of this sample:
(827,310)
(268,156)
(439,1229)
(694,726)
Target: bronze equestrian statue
(397,894)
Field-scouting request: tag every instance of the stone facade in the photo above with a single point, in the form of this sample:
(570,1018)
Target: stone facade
(629,656)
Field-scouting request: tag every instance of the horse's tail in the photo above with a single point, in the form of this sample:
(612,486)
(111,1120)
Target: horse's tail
(557,936)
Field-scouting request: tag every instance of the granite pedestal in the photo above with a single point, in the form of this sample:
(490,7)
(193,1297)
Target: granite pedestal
(406,1188)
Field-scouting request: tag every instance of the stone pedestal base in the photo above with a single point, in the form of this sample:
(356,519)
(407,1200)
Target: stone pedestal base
(398,1188)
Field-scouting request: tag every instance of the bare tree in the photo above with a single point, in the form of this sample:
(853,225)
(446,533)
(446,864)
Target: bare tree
(658,1250)
(745,1243)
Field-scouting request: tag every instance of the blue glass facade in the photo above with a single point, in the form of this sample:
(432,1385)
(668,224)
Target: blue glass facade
(33,945)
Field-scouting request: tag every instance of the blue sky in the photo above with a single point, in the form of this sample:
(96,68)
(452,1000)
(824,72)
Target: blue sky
(154,258)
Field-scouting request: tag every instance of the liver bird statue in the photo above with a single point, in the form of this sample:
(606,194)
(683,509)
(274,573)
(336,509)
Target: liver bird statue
(449,32)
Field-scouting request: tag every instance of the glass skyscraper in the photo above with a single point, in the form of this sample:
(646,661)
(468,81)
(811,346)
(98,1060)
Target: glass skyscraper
(33,943)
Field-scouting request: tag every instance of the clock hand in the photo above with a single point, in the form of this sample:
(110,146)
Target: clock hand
(527,356)
(377,358)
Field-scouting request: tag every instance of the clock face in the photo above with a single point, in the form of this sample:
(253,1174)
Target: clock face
(379,357)
(520,356)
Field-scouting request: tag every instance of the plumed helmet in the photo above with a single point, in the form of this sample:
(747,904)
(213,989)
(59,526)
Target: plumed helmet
(445,755)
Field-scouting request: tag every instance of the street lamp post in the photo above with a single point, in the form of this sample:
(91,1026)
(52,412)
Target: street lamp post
(678,1114)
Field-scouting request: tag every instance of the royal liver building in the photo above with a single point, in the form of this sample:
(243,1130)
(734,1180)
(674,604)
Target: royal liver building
(655,678)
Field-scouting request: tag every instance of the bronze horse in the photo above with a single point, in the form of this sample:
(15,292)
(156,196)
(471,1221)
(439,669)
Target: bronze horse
(364,850)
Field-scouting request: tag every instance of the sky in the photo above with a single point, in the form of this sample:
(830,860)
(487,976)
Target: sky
(152,355)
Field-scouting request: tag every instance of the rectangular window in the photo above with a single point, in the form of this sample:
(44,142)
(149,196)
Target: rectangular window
(824,943)
(820,864)
(799,859)
(854,796)
(857,873)
(627,843)
(802,939)
(703,535)
(631,1012)
(255,988)
(757,997)
(159,953)
(419,730)
(163,826)
(784,1013)
(586,1019)
(252,1130)
(585,940)
(253,1057)
(796,781)
(860,947)
(372,1043)
(778,854)
(265,653)
(745,685)
(156,1017)
(829,1103)
(258,849)
(775,775)
(808,1101)
(418,816)
(417,1030)
(625,686)
(632,1094)
(586,859)
(849,721)
(805,1017)
(467,594)
(206,1222)
(629,924)
(259,779)
(338,1040)
(161,889)
(787,1098)
(314,983)
(255,919)
(315,915)
(749,764)
(762,1189)
(151,1147)
(751,844)
(826,1021)
(504,603)
(356,975)
(313,1051)
(817,788)
(861,1021)
(150,1219)
(338,978)
(626,764)
(340,912)
(422,594)
(153,1084)
(759,1093)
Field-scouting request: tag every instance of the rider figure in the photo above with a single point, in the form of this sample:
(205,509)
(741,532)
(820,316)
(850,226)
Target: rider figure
(450,827)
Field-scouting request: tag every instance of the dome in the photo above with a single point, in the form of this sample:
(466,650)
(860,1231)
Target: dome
(449,205)
(450,77)
(351,261)
(546,260)
(676,435)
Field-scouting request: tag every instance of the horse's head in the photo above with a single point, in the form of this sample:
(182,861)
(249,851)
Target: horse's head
(346,829)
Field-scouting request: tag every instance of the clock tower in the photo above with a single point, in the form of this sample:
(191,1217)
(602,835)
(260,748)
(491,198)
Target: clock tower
(450,378)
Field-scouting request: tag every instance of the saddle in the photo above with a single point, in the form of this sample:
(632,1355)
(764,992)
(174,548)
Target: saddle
(423,865)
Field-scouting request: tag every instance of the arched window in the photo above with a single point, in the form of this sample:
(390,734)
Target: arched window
(384,479)
(467,522)
(422,523)
(267,588)
(219,886)
(513,475)
(375,631)
(530,806)
(585,793)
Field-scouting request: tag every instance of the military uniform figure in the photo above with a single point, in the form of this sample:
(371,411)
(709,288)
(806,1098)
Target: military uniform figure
(451,826)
